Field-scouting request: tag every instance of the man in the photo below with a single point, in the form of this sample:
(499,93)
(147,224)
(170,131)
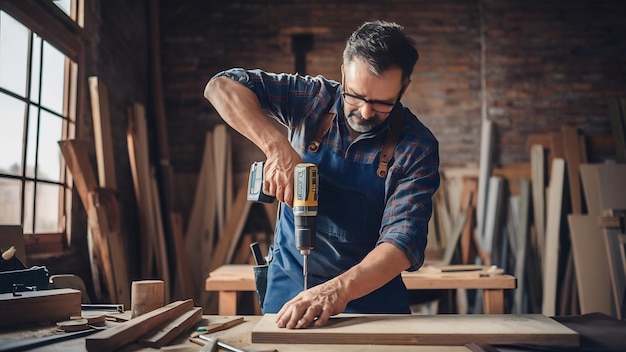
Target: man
(373,216)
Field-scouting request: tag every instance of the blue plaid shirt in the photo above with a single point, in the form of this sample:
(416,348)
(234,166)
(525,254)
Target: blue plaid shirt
(299,102)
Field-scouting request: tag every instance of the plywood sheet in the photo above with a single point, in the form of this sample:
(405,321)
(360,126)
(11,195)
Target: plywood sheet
(445,329)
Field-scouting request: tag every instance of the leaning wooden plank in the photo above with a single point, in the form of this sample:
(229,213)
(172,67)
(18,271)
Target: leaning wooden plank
(102,132)
(571,150)
(486,146)
(109,220)
(442,329)
(611,184)
(589,179)
(137,164)
(539,204)
(160,240)
(76,158)
(120,335)
(199,234)
(616,274)
(219,170)
(173,329)
(183,279)
(553,231)
(232,231)
(492,240)
(39,306)
(97,223)
(594,286)
(522,243)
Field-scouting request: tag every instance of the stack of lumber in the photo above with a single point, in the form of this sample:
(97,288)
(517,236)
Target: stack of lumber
(154,329)
(561,269)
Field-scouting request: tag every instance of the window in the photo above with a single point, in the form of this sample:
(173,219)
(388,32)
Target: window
(38,85)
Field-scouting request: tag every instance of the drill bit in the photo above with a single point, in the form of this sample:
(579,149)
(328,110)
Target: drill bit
(305,270)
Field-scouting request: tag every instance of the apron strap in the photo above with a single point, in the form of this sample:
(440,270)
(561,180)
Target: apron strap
(390,145)
(322,129)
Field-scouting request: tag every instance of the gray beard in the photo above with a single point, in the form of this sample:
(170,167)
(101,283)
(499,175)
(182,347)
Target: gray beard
(359,125)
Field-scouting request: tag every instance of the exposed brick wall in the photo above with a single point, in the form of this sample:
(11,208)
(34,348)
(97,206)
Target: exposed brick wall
(546,64)
(550,64)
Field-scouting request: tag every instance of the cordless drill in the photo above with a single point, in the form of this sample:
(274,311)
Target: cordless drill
(306,187)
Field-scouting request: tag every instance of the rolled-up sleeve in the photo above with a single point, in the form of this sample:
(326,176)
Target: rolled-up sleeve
(411,184)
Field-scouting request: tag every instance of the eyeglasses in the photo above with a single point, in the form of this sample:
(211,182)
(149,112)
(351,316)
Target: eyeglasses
(377,105)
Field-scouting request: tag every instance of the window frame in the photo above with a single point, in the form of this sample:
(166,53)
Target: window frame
(67,34)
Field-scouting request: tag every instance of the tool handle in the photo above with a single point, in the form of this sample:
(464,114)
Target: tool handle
(256,253)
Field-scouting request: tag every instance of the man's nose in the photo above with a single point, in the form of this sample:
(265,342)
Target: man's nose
(366,111)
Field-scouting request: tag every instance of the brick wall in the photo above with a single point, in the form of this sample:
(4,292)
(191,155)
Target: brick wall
(545,64)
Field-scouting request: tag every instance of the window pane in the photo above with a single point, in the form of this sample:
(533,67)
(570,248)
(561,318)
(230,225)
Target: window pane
(52,78)
(35,69)
(13,54)
(11,134)
(47,217)
(64,5)
(29,193)
(10,200)
(49,154)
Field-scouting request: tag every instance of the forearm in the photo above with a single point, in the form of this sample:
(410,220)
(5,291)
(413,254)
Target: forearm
(381,265)
(239,107)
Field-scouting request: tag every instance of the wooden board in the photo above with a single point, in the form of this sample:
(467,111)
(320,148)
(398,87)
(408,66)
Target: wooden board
(571,148)
(589,178)
(77,160)
(522,246)
(616,271)
(102,132)
(539,204)
(445,329)
(39,306)
(173,329)
(592,271)
(553,230)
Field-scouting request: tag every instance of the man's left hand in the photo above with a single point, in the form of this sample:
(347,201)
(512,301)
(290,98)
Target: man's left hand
(316,304)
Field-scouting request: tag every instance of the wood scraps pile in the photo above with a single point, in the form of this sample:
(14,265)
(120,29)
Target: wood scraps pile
(523,228)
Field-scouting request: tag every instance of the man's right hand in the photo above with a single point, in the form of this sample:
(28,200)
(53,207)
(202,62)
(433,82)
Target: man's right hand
(278,172)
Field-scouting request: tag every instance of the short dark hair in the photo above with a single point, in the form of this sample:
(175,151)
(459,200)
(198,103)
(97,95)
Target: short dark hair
(382,45)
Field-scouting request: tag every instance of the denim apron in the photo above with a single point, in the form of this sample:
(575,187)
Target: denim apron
(351,205)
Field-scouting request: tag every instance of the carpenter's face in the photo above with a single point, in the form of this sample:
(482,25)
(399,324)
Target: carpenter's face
(368,98)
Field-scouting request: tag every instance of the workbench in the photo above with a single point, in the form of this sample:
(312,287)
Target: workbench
(229,280)
(596,330)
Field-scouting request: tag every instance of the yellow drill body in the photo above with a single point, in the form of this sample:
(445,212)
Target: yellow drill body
(305,203)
